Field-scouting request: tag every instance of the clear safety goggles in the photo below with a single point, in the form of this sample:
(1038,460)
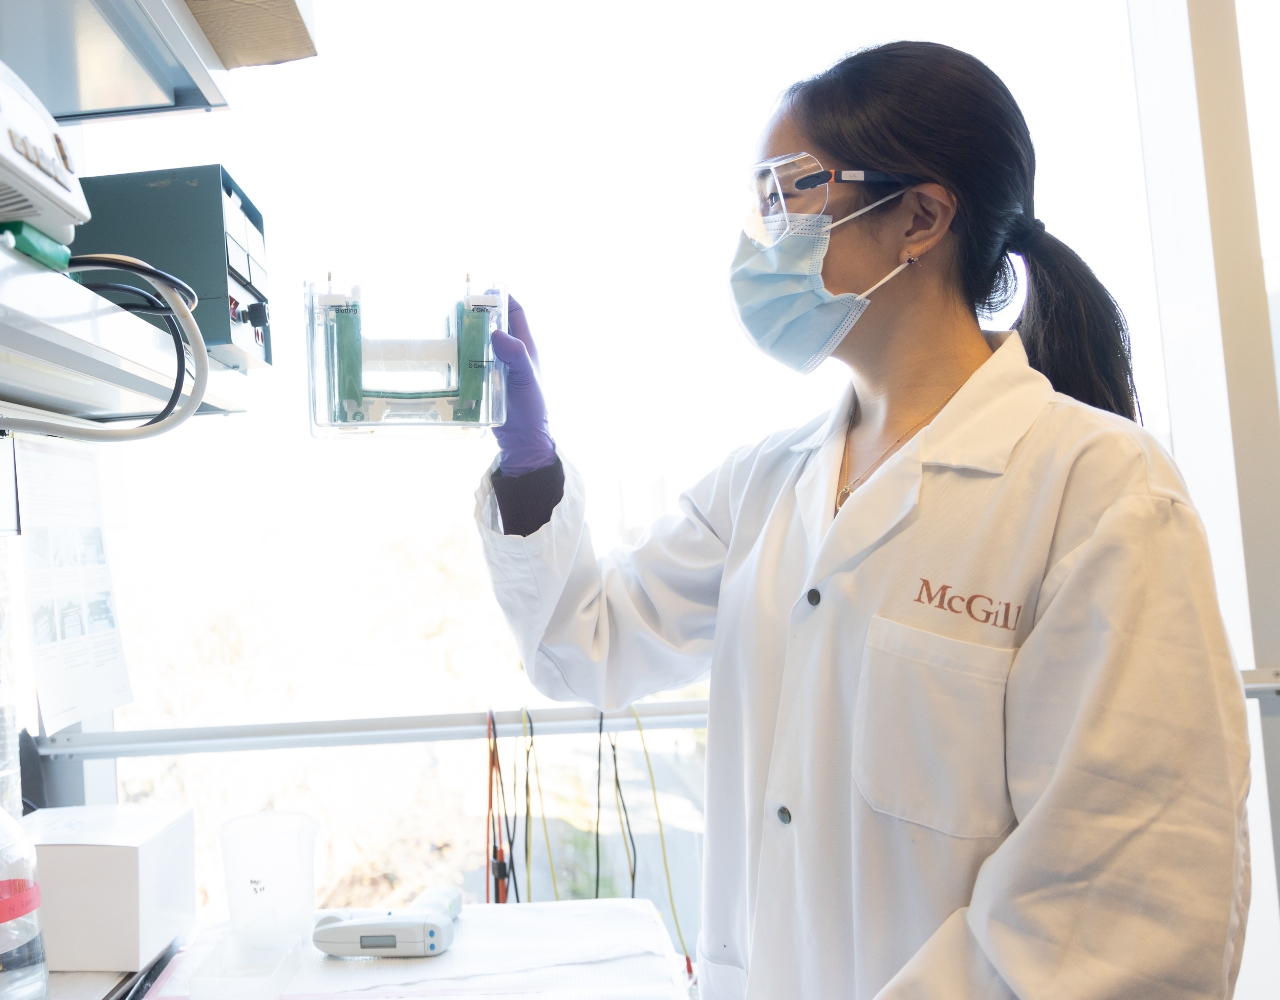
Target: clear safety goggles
(797,184)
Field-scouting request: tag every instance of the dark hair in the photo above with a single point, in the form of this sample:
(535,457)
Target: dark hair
(939,114)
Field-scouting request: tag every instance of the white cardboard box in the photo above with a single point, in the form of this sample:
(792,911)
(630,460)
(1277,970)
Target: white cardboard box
(117,883)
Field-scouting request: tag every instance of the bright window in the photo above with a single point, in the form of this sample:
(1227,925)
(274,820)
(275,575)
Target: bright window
(589,155)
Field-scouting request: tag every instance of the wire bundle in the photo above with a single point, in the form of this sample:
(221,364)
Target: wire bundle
(503,875)
(175,301)
(501,859)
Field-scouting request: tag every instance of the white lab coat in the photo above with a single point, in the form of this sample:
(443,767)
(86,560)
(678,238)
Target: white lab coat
(1009,733)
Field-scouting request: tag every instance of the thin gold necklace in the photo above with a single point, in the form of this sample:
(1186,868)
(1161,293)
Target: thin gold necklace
(848,488)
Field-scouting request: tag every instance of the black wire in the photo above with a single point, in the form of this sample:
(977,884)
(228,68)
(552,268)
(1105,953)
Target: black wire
(506,822)
(515,813)
(154,306)
(99,263)
(599,768)
(507,826)
(626,816)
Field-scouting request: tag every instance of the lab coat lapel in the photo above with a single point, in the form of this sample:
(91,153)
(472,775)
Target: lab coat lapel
(816,487)
(872,510)
(977,429)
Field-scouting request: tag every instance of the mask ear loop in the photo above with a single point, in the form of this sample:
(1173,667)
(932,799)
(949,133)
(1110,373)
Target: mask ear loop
(892,274)
(875,204)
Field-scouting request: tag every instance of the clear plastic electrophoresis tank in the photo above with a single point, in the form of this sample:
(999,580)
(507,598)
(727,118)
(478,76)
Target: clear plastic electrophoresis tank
(361,383)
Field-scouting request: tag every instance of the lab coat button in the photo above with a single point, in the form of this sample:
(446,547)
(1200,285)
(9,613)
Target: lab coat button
(814,597)
(784,814)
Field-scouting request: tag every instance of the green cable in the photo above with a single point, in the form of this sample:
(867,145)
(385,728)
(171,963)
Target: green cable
(542,806)
(662,840)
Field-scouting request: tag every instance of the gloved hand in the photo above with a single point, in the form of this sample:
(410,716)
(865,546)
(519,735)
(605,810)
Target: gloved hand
(524,442)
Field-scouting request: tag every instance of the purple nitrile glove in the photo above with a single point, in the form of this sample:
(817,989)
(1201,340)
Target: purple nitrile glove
(524,442)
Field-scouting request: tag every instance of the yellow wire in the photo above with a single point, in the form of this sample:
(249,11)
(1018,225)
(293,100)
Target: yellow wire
(617,801)
(528,840)
(545,835)
(662,840)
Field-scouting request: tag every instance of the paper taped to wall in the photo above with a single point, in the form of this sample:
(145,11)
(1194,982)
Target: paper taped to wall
(75,638)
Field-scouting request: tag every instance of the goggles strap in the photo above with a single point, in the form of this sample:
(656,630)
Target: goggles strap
(868,208)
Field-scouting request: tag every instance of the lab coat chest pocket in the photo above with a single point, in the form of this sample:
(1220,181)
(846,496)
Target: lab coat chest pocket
(928,731)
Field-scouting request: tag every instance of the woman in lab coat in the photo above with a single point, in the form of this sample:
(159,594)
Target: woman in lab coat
(974,725)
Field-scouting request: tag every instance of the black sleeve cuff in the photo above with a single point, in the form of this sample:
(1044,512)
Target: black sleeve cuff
(526,502)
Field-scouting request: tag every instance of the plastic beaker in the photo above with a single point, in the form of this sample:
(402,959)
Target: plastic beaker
(269,862)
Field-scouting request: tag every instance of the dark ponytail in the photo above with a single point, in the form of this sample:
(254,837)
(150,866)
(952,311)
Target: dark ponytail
(937,113)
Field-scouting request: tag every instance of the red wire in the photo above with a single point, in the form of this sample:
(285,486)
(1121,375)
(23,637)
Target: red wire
(488,817)
(495,853)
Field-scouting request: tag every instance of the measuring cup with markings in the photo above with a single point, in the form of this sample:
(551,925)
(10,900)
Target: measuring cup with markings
(269,862)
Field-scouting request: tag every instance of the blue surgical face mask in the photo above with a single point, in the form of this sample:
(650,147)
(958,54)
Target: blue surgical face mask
(783,305)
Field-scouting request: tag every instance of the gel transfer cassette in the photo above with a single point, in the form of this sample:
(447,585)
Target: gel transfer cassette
(361,381)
